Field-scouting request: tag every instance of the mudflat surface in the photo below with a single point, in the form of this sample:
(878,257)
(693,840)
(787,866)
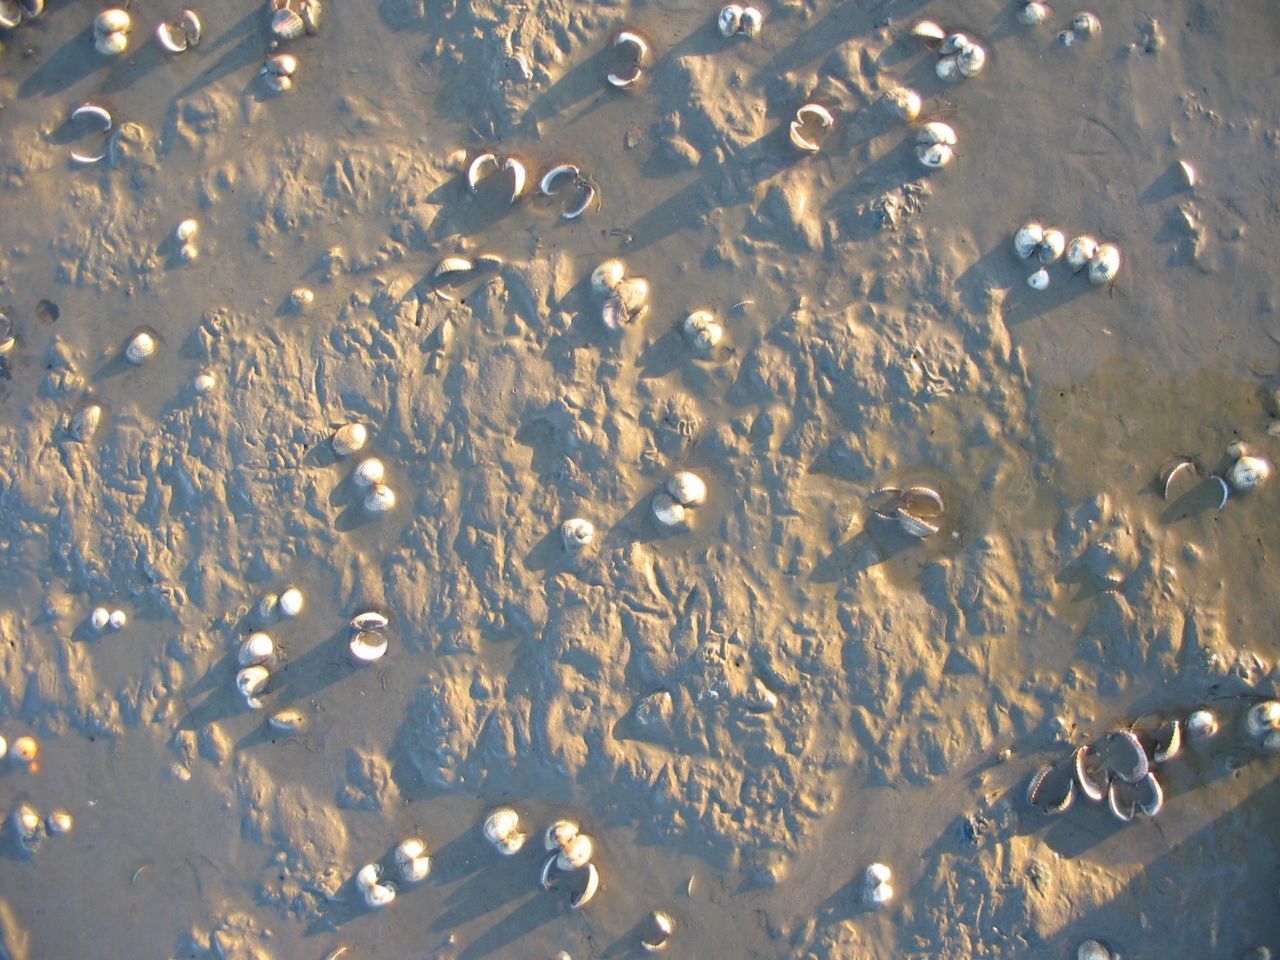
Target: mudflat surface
(743,714)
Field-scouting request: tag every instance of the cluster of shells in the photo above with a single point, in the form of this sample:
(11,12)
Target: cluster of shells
(288,20)
(959,56)
(551,184)
(1120,769)
(682,492)
(370,473)
(1048,245)
(111,29)
(412,865)
(1246,471)
(916,510)
(570,851)
(25,823)
(102,619)
(626,297)
(13,13)
(738,21)
(257,653)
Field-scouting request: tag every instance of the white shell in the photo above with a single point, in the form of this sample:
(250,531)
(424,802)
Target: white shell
(971,60)
(256,649)
(59,822)
(379,895)
(286,24)
(1086,25)
(935,131)
(1249,473)
(453,265)
(577,532)
(948,68)
(368,472)
(511,844)
(1052,246)
(606,277)
(380,499)
(117,619)
(25,749)
(633,295)
(1201,724)
(100,618)
(1039,280)
(288,720)
(412,860)
(1105,264)
(301,299)
(1034,13)
(111,21)
(367,647)
(880,894)
(204,382)
(348,439)
(1027,239)
(4,747)
(369,620)
(729,19)
(878,873)
(815,111)
(751,22)
(85,421)
(934,155)
(1262,718)
(140,348)
(519,176)
(172,37)
(687,489)
(186,230)
(547,184)
(929,32)
(559,834)
(668,511)
(1066,38)
(1092,950)
(291,602)
(502,829)
(367,876)
(576,853)
(904,102)
(1190,175)
(702,330)
(955,43)
(1080,251)
(112,44)
(26,823)
(251,681)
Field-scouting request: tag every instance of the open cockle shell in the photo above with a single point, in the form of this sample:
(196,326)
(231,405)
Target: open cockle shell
(366,647)
(576,853)
(668,511)
(369,620)
(251,682)
(662,928)
(702,330)
(1085,763)
(635,49)
(810,127)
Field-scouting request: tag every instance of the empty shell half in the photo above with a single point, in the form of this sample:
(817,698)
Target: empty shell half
(811,126)
(141,348)
(251,682)
(366,647)
(369,620)
(577,532)
(661,929)
(687,489)
(634,50)
(412,860)
(257,648)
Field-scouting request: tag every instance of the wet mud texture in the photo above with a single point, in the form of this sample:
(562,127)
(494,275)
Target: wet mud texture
(744,714)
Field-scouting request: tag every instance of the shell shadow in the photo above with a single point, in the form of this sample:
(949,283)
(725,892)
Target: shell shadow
(243,43)
(64,68)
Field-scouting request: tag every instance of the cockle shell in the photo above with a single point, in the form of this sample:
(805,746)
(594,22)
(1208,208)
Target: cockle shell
(85,421)
(559,834)
(1105,264)
(948,68)
(26,748)
(1262,718)
(257,648)
(1080,251)
(1027,240)
(502,829)
(366,647)
(662,928)
(1039,280)
(1034,13)
(1201,725)
(367,876)
(668,511)
(751,22)
(112,44)
(113,20)
(577,532)
(291,602)
(349,439)
(702,330)
(970,60)
(580,898)
(117,619)
(633,293)
(729,18)
(140,348)
(288,721)
(955,43)
(453,265)
(412,860)
(1051,246)
(1084,762)
(1249,473)
(878,873)
(817,116)
(687,489)
(606,277)
(286,24)
(251,681)
(929,33)
(1167,742)
(26,824)
(1086,25)
(368,472)
(576,853)
(379,895)
(100,618)
(380,498)
(1092,950)
(369,620)
(934,155)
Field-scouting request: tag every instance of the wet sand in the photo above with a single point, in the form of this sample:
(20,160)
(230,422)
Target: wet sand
(838,692)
